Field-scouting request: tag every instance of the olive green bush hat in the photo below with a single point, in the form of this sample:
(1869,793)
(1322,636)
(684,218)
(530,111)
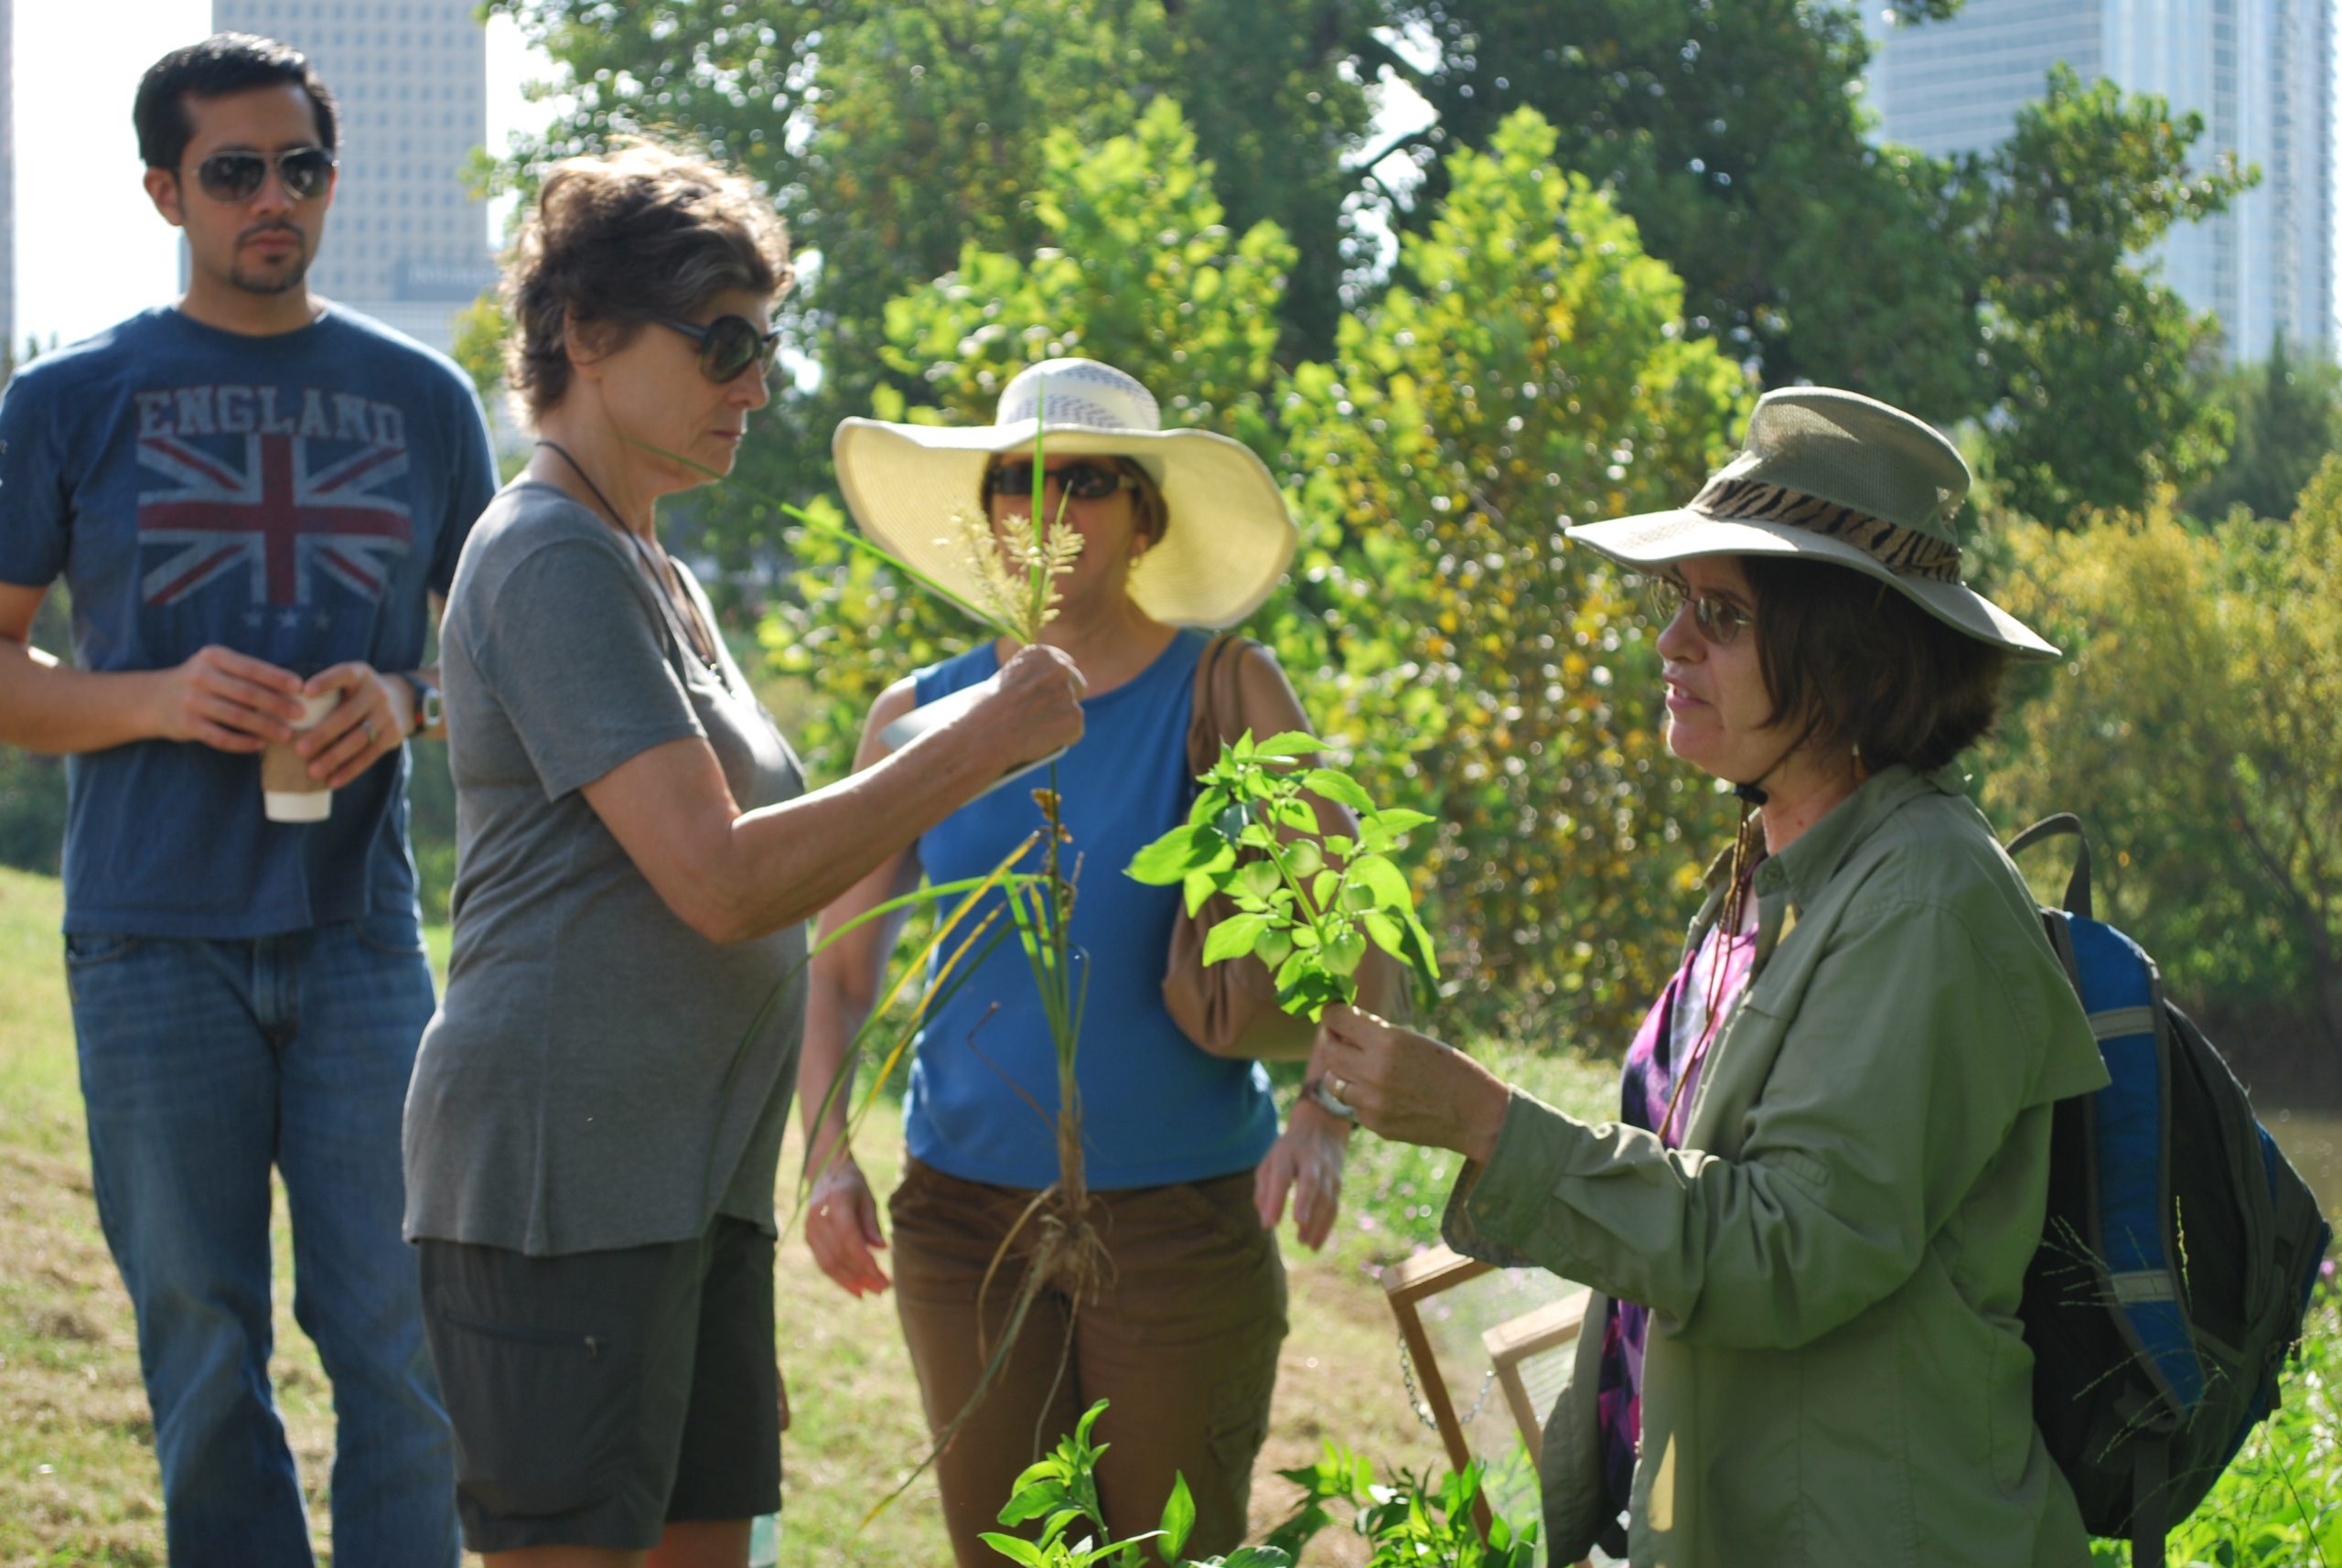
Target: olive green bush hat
(1832,476)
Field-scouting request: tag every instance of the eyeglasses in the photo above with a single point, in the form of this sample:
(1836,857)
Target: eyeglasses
(1720,621)
(304,172)
(729,345)
(1083,482)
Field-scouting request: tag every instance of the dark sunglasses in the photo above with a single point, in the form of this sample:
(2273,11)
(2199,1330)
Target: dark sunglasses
(729,345)
(305,172)
(1719,620)
(1083,482)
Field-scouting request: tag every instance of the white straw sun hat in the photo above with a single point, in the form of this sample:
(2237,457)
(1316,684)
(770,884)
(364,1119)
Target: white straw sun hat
(1229,537)
(1832,476)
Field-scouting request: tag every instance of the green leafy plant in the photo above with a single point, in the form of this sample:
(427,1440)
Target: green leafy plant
(1060,1490)
(1306,905)
(1409,1520)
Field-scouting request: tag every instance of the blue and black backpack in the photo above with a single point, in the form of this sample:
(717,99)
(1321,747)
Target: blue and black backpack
(2178,1253)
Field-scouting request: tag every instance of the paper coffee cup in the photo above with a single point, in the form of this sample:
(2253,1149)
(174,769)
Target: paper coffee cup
(287,793)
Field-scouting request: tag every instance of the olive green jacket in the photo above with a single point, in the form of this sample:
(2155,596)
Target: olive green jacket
(1835,1373)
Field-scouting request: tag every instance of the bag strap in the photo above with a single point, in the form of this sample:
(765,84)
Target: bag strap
(1219,713)
(2063,822)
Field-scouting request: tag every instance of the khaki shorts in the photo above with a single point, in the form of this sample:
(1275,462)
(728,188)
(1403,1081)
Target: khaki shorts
(598,1395)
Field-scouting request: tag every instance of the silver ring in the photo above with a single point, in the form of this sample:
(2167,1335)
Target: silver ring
(1337,1085)
(367,725)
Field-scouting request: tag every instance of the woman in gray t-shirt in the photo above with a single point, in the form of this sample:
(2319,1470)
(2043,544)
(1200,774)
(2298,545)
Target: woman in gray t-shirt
(596,1119)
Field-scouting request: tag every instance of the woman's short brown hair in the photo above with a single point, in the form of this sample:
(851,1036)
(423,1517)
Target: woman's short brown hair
(624,239)
(1846,656)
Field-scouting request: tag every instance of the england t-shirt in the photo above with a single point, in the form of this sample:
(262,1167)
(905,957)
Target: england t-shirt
(294,498)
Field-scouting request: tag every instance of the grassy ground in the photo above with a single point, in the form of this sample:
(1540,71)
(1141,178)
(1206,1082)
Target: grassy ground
(78,1484)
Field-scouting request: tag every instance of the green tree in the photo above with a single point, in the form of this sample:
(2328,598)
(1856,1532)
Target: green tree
(2287,414)
(2192,726)
(1528,365)
(1531,362)
(1139,268)
(2004,285)
(2097,365)
(2000,287)
(894,136)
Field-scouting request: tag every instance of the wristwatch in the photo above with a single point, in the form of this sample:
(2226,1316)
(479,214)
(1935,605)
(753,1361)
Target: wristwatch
(428,709)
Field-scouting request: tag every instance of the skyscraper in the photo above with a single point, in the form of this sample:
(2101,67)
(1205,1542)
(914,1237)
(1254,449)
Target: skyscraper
(407,243)
(2262,74)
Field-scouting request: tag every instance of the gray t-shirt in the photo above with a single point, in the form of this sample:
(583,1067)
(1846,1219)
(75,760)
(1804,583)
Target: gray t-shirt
(599,1074)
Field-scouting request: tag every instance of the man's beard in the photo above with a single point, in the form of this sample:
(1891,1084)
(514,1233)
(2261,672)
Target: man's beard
(266,281)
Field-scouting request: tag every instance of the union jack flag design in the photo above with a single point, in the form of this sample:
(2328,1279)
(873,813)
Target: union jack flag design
(273,514)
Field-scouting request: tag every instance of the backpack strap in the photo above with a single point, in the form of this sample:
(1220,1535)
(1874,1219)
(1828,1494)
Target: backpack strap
(2078,885)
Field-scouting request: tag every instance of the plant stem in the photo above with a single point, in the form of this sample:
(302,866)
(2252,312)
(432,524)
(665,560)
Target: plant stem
(1309,905)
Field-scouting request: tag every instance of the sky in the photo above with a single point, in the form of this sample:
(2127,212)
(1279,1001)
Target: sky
(90,249)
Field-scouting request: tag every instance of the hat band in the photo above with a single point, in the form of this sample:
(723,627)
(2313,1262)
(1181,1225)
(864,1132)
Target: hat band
(1906,552)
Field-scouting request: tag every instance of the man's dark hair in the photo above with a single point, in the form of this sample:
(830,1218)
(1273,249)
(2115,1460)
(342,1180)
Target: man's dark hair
(1850,657)
(222,64)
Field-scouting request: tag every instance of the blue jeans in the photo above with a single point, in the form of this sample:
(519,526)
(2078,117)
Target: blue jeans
(203,1063)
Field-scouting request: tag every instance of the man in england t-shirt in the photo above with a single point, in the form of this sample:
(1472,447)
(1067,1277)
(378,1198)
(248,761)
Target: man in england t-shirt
(251,497)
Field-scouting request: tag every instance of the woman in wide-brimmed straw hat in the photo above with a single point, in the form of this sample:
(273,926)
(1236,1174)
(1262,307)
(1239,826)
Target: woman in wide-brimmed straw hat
(1807,1230)
(1181,530)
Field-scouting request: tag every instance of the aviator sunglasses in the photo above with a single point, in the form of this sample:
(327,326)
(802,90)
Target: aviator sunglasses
(1083,482)
(1719,620)
(729,345)
(305,172)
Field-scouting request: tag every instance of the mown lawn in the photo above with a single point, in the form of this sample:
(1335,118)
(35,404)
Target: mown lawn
(78,1484)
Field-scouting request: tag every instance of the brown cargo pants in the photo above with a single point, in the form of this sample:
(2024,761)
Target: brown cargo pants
(1183,1340)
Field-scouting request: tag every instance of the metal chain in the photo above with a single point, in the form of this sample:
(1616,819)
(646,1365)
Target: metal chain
(1415,1398)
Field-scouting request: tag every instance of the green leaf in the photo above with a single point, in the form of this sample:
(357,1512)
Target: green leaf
(1017,1548)
(1324,887)
(1343,954)
(1338,788)
(1384,880)
(1386,932)
(1295,814)
(1209,805)
(1274,948)
(1399,819)
(1234,937)
(1256,1557)
(1260,878)
(1291,742)
(1178,1517)
(1198,887)
(1340,846)
(1176,853)
(1034,1498)
(1256,836)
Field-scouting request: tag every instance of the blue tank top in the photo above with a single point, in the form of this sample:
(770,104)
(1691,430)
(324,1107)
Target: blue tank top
(1156,1107)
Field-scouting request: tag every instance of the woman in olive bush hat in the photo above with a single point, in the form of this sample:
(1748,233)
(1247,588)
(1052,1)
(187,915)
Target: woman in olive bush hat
(1808,1227)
